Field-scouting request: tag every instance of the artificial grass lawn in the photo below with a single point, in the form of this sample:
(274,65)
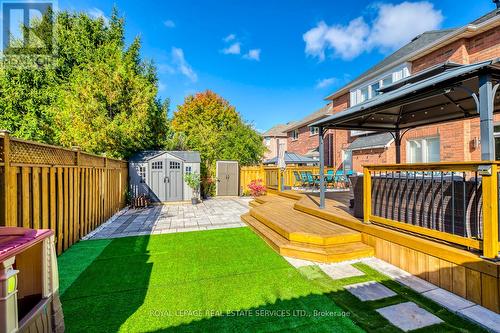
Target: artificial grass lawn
(217,280)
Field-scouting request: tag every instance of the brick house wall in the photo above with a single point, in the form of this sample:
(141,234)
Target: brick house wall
(458,139)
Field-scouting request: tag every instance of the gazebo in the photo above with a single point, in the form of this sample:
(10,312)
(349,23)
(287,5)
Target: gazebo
(443,93)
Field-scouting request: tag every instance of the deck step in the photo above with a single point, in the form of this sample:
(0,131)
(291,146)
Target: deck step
(254,203)
(300,227)
(271,198)
(321,253)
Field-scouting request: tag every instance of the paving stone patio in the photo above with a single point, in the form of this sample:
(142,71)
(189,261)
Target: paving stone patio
(408,316)
(214,213)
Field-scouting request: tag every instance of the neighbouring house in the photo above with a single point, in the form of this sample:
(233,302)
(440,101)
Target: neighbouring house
(159,174)
(293,159)
(429,52)
(273,138)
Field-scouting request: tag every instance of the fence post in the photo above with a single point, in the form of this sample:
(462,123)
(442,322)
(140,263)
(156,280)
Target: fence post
(490,214)
(367,194)
(5,219)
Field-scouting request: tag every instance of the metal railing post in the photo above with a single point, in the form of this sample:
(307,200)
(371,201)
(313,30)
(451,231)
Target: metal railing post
(490,214)
(367,194)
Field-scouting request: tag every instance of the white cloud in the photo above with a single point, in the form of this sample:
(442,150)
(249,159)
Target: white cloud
(181,65)
(234,48)
(162,86)
(323,83)
(169,24)
(393,26)
(253,54)
(229,38)
(97,13)
(398,24)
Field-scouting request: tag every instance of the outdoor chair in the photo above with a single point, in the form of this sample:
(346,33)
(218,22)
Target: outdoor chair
(330,179)
(305,180)
(341,178)
(311,180)
(298,179)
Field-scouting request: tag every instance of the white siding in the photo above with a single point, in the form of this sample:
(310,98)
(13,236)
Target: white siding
(188,192)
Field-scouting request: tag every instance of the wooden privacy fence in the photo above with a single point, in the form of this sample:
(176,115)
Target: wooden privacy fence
(270,175)
(66,190)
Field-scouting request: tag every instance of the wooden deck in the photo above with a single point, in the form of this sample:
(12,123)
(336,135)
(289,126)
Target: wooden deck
(293,225)
(300,235)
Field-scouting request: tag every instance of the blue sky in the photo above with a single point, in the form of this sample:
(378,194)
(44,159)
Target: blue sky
(274,60)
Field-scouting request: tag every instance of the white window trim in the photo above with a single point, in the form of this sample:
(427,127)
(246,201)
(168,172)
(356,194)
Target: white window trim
(425,148)
(294,137)
(355,93)
(313,132)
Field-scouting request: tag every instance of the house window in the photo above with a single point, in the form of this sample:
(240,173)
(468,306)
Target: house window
(188,169)
(386,81)
(364,95)
(141,171)
(347,159)
(158,165)
(374,89)
(175,165)
(267,140)
(370,90)
(295,135)
(424,150)
(313,130)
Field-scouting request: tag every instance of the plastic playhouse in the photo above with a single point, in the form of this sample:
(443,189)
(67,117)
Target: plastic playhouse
(29,282)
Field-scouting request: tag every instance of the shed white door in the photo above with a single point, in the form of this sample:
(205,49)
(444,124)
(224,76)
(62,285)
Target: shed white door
(157,182)
(174,180)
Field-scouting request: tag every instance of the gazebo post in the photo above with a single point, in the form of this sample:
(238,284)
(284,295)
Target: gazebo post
(488,171)
(397,142)
(321,169)
(486,118)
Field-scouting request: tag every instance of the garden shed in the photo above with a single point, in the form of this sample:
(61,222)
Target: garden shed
(159,174)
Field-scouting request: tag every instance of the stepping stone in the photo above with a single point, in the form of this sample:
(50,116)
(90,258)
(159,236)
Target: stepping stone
(370,291)
(298,262)
(416,283)
(482,316)
(408,316)
(340,271)
(449,300)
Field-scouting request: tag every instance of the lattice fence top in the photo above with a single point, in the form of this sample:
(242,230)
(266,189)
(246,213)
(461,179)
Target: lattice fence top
(91,160)
(112,163)
(34,153)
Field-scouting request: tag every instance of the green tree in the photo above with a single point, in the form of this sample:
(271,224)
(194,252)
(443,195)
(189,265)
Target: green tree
(99,94)
(209,124)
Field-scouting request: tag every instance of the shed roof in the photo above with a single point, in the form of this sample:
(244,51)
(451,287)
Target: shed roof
(292,158)
(186,156)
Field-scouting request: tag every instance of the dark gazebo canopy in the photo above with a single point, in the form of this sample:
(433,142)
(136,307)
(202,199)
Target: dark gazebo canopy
(440,94)
(443,93)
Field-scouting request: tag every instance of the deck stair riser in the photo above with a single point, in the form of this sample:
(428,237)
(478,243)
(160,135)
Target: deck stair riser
(321,253)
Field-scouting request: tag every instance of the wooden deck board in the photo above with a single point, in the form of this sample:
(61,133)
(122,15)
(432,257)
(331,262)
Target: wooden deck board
(328,253)
(301,227)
